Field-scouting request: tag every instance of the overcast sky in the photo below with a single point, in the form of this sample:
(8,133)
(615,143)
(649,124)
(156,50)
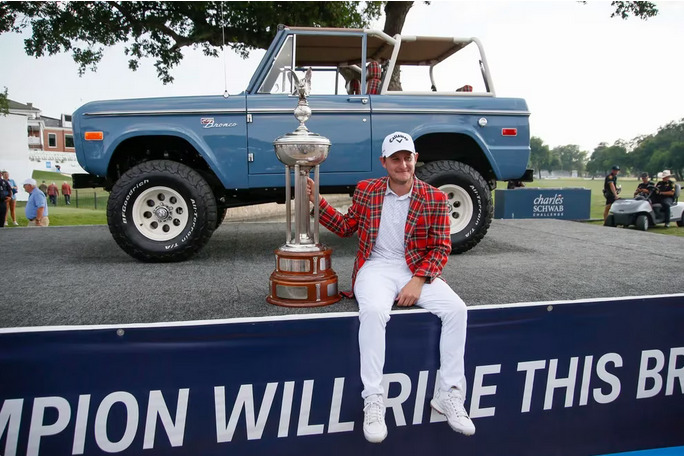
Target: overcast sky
(587,77)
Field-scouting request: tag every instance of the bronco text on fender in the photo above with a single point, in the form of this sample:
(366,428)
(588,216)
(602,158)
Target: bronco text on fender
(174,165)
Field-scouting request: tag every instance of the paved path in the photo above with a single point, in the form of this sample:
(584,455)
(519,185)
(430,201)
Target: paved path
(79,276)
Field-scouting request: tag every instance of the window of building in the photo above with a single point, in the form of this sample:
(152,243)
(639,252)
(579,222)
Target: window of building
(68,140)
(52,140)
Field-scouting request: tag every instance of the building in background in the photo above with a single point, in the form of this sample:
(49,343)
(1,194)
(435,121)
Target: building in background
(31,141)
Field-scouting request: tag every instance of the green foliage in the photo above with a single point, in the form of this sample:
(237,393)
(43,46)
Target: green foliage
(160,30)
(642,10)
(604,157)
(541,157)
(664,150)
(650,153)
(4,103)
(570,157)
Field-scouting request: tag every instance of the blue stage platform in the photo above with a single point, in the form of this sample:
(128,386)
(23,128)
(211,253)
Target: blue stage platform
(589,377)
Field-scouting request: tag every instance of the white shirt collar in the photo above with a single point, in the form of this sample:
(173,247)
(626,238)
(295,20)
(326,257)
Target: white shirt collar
(389,191)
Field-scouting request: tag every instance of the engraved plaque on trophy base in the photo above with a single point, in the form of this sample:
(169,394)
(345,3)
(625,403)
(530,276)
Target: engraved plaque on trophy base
(303,279)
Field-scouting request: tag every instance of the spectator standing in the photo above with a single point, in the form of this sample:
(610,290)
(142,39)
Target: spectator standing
(12,203)
(665,190)
(610,191)
(5,197)
(36,206)
(66,192)
(53,193)
(43,188)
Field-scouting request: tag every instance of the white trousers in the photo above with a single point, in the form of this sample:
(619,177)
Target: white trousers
(377,285)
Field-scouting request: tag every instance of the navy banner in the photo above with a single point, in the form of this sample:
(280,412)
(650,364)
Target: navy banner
(578,378)
(557,203)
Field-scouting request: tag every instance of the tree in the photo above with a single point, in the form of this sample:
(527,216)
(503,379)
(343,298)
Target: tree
(4,103)
(642,10)
(605,157)
(540,156)
(571,157)
(661,151)
(395,16)
(677,159)
(161,30)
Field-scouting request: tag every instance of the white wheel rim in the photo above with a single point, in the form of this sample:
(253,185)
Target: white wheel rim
(160,213)
(460,207)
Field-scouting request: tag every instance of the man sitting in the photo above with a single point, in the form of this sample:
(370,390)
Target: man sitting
(644,187)
(665,190)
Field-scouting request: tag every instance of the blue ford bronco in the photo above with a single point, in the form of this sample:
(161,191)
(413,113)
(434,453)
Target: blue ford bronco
(174,165)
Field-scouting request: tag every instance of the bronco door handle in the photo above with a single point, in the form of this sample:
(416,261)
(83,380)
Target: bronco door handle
(363,100)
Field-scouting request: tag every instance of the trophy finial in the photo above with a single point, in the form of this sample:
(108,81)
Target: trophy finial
(303,88)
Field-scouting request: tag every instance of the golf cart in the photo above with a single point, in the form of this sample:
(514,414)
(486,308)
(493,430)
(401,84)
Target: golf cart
(643,213)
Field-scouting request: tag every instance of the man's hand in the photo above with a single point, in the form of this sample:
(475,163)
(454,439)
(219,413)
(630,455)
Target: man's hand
(310,189)
(409,295)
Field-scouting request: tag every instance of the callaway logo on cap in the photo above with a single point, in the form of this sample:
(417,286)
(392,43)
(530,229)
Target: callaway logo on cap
(397,141)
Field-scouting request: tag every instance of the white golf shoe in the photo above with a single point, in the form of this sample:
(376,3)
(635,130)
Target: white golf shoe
(450,404)
(374,428)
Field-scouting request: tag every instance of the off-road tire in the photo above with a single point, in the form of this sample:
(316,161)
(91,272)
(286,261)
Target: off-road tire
(469,198)
(642,222)
(161,211)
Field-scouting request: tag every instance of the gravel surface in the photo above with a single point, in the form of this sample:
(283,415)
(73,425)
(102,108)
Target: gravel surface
(79,276)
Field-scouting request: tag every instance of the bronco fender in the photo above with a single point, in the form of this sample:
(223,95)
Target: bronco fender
(425,130)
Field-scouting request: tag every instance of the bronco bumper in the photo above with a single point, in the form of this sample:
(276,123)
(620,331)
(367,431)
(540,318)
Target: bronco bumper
(89,181)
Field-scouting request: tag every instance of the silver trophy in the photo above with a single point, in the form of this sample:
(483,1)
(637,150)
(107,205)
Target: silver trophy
(303,276)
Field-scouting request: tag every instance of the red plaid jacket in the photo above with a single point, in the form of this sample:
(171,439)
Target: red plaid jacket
(426,238)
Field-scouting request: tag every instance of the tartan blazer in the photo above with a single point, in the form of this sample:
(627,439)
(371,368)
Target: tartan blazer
(426,239)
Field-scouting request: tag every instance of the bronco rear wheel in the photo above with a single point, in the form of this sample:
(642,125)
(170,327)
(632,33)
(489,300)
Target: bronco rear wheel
(161,211)
(469,198)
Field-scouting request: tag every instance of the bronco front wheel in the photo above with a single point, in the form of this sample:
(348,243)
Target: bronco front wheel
(161,211)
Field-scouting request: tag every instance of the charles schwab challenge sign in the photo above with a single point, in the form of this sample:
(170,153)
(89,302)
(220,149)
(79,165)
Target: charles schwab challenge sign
(560,203)
(290,386)
(548,206)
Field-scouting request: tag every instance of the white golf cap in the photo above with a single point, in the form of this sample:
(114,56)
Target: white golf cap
(30,181)
(397,141)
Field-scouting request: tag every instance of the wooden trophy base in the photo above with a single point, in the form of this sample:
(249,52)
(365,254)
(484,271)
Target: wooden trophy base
(303,279)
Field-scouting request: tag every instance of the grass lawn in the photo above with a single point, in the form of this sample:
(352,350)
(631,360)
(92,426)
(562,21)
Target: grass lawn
(88,199)
(628,184)
(65,215)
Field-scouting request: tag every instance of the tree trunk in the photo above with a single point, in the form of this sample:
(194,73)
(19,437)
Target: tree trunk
(395,16)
